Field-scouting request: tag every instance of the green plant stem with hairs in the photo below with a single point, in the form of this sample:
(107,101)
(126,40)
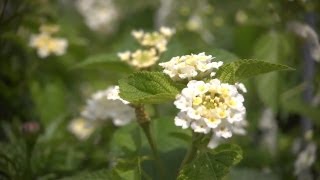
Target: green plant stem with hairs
(143,120)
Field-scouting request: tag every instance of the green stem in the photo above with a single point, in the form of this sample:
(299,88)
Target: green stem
(192,151)
(144,122)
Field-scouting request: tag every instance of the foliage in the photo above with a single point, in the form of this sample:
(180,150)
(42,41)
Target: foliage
(39,97)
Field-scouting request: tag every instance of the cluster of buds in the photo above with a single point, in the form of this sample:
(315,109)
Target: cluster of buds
(46,44)
(155,43)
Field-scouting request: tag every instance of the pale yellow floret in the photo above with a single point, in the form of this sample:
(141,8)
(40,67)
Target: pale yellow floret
(124,56)
(197,101)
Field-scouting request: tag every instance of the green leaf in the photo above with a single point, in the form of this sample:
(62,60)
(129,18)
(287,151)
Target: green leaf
(212,164)
(243,69)
(104,61)
(147,87)
(168,136)
(273,47)
(96,175)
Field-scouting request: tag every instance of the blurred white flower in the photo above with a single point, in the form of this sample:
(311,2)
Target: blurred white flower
(241,17)
(156,44)
(168,32)
(81,128)
(157,40)
(137,34)
(194,23)
(269,130)
(46,44)
(305,159)
(211,107)
(107,105)
(99,15)
(140,58)
(309,34)
(191,66)
(124,56)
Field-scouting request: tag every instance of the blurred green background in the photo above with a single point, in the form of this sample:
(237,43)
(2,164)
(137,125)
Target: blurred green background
(40,96)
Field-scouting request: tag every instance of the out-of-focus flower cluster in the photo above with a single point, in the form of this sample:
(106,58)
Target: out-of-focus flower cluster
(305,160)
(46,44)
(155,44)
(194,66)
(104,105)
(99,15)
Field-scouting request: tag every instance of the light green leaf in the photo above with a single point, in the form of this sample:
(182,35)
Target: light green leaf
(126,140)
(104,61)
(273,47)
(243,69)
(213,164)
(147,87)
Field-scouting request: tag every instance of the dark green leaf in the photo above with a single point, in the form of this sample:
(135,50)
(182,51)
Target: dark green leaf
(147,87)
(213,164)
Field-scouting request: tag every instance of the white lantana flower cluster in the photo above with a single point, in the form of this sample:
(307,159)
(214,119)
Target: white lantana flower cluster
(211,107)
(155,44)
(194,66)
(99,15)
(107,105)
(46,44)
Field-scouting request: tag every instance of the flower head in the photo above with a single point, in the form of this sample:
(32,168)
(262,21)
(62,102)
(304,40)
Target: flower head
(99,15)
(210,107)
(158,40)
(155,44)
(191,66)
(46,44)
(107,105)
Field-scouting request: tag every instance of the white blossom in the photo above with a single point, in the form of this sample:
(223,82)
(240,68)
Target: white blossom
(99,15)
(157,40)
(140,58)
(46,44)
(211,107)
(107,105)
(191,66)
(237,128)
(305,159)
(124,56)
(154,43)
